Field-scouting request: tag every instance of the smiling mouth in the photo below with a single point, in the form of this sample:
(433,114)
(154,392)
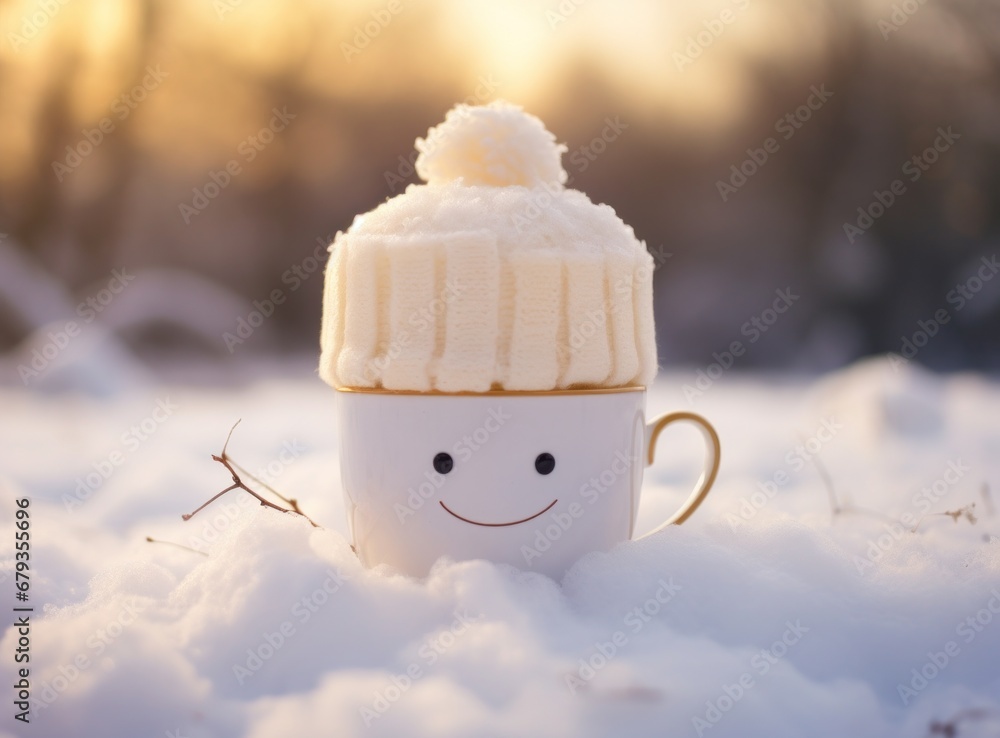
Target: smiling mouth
(499,525)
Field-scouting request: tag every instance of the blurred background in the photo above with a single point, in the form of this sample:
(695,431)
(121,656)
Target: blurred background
(166,163)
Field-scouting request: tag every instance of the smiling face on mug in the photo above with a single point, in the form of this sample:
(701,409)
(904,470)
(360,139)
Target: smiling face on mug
(455,329)
(532,481)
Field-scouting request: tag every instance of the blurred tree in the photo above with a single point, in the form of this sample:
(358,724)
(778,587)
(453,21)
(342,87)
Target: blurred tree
(700,92)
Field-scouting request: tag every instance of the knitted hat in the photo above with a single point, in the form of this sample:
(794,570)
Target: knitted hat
(492,275)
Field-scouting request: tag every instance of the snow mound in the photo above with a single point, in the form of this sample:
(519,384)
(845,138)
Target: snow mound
(771,613)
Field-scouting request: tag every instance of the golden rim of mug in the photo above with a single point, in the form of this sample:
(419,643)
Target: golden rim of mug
(494,393)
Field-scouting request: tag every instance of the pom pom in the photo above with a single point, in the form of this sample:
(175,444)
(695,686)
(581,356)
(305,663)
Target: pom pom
(496,145)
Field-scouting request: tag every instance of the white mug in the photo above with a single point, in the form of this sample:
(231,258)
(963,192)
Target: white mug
(532,479)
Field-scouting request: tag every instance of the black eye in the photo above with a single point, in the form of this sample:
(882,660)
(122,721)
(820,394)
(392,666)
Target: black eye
(545,463)
(443,463)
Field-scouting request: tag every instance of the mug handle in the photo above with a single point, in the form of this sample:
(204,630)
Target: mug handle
(714,449)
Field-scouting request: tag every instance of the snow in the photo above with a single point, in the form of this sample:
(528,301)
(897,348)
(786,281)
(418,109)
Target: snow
(765,615)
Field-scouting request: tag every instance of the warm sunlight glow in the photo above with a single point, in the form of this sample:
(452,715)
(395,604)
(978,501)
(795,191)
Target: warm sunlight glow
(653,53)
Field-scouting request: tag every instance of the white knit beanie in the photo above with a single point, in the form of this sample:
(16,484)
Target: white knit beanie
(492,276)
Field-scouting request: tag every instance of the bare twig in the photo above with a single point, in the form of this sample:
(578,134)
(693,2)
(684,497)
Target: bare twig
(968,512)
(291,501)
(238,484)
(836,508)
(230,488)
(225,446)
(150,539)
(824,475)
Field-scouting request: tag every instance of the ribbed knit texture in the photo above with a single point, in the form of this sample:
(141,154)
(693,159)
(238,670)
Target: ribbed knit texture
(465,286)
